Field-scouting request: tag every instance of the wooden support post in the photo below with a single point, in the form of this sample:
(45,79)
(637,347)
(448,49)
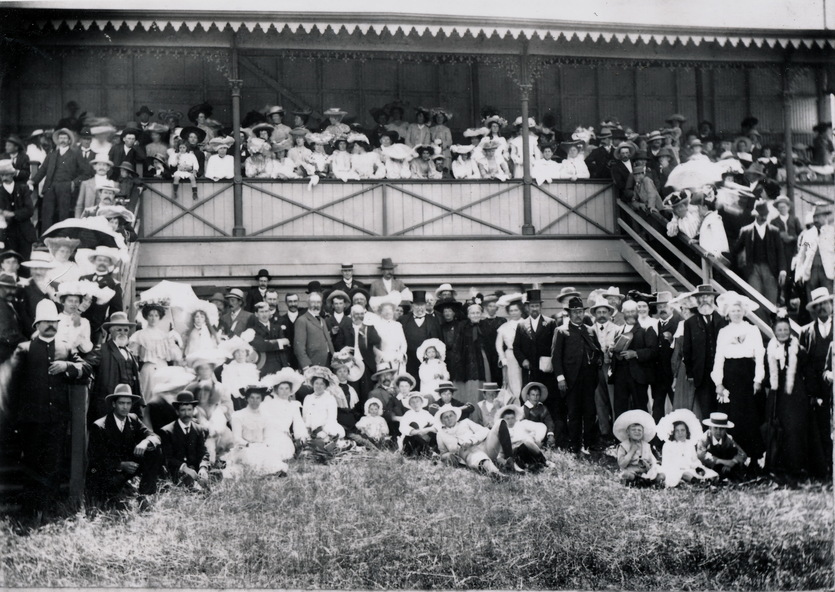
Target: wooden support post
(787,127)
(525,89)
(237,183)
(700,97)
(78,443)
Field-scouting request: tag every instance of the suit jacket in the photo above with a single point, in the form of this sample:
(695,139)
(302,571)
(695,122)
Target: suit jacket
(369,339)
(86,196)
(665,347)
(253,297)
(818,355)
(814,241)
(10,330)
(570,346)
(415,335)
(623,180)
(77,168)
(109,447)
(20,228)
(290,333)
(98,314)
(334,327)
(378,289)
(30,295)
(237,326)
(341,285)
(179,449)
(599,163)
(645,344)
(111,369)
(21,164)
(271,356)
(773,247)
(135,156)
(531,346)
(697,350)
(606,338)
(312,341)
(793,229)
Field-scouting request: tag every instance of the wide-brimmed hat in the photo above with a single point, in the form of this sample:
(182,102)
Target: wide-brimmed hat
(489,145)
(257,129)
(666,424)
(543,391)
(676,117)
(337,294)
(677,198)
(274,109)
(640,155)
(335,112)
(235,293)
(235,343)
(441,111)
(101,158)
(627,418)
(184,398)
(299,132)
(756,169)
(654,135)
(199,132)
(782,199)
(662,297)
(384,368)
(476,132)
(7,281)
(371,401)
(116,211)
(439,346)
(284,145)
(157,128)
(445,386)
(10,253)
(7,167)
(64,130)
(109,185)
(495,119)
(629,146)
(251,389)
(613,292)
(263,273)
(326,374)
(204,108)
(119,319)
(424,400)
(218,142)
(444,288)
(461,149)
(387,264)
(144,109)
(359,290)
(213,357)
(718,420)
(725,301)
(127,166)
(704,290)
(285,375)
(444,409)
(16,141)
(819,296)
(567,292)
(407,377)
(578,144)
(122,390)
(516,409)
(39,260)
(448,303)
(102,251)
(822,209)
(602,302)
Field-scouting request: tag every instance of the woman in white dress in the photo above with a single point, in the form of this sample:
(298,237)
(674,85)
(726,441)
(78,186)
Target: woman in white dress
(151,346)
(464,165)
(250,450)
(240,371)
(680,430)
(73,329)
(319,410)
(284,418)
(200,335)
(504,344)
(65,269)
(574,166)
(392,347)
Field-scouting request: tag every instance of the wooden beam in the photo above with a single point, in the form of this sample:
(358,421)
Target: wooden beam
(274,84)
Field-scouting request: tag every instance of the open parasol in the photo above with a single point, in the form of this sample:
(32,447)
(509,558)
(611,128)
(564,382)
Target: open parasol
(694,175)
(92,232)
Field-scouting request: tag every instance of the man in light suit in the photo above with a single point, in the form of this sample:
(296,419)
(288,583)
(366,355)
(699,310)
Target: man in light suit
(387,283)
(312,340)
(816,258)
(236,319)
(184,444)
(606,332)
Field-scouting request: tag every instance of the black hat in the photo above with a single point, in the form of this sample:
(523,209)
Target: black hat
(534,296)
(17,141)
(85,132)
(144,109)
(189,129)
(359,290)
(395,137)
(253,389)
(10,253)
(419,297)
(263,273)
(184,398)
(822,126)
(314,286)
(749,122)
(574,302)
(448,303)
(203,108)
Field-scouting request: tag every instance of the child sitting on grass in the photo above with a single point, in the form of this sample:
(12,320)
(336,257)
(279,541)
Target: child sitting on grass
(373,425)
(635,429)
(417,427)
(433,370)
(445,393)
(718,451)
(533,395)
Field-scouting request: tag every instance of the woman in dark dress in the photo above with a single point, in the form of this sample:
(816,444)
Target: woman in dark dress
(473,367)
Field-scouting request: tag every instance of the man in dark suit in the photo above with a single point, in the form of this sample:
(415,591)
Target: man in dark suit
(105,259)
(489,325)
(662,386)
(40,402)
(16,152)
(10,328)
(576,359)
(17,209)
(338,304)
(364,338)
(85,139)
(765,260)
(235,320)
(114,364)
(347,284)
(184,444)
(699,347)
(621,171)
(311,340)
(270,341)
(121,446)
(633,368)
(62,172)
(288,321)
(599,160)
(816,339)
(258,293)
(127,151)
(418,327)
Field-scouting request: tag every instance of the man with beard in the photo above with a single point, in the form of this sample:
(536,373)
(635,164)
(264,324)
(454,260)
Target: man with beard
(418,327)
(606,332)
(363,338)
(105,259)
(115,364)
(311,340)
(662,386)
(288,321)
(816,340)
(699,347)
(62,172)
(43,371)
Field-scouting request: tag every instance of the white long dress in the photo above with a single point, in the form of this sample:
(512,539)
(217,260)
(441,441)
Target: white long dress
(678,459)
(282,415)
(319,412)
(392,343)
(75,338)
(236,375)
(504,346)
(251,451)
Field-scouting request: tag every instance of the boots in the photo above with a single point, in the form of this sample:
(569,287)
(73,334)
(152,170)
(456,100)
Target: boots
(176,190)
(194,193)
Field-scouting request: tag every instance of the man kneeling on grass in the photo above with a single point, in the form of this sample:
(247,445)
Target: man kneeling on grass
(122,447)
(463,442)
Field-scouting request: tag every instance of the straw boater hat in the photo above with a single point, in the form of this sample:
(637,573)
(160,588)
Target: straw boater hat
(667,424)
(122,390)
(516,409)
(730,298)
(119,319)
(567,292)
(445,386)
(718,420)
(39,260)
(633,416)
(371,401)
(489,387)
(602,303)
(543,391)
(384,368)
(819,296)
(184,398)
(416,395)
(45,312)
(439,346)
(407,377)
(284,376)
(444,410)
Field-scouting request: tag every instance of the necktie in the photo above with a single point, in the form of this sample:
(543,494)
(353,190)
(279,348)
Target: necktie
(125,353)
(356,341)
(602,327)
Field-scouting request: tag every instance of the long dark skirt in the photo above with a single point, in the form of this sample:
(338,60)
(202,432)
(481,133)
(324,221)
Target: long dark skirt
(745,410)
(788,416)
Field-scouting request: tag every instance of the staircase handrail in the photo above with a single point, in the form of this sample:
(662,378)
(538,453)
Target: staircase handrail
(130,266)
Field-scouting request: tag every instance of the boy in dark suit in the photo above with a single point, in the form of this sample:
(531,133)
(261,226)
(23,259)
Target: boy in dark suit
(184,445)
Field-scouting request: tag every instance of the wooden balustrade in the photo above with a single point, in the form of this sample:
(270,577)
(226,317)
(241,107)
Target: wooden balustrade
(377,209)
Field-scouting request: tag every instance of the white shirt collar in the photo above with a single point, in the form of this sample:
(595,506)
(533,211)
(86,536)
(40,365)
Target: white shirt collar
(9,187)
(120,423)
(183,426)
(761,228)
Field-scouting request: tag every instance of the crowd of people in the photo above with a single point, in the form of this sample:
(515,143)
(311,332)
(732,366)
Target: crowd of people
(230,386)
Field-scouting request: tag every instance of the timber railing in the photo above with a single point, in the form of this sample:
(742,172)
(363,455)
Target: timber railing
(378,209)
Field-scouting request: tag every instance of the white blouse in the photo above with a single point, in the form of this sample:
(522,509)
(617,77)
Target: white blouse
(505,337)
(736,341)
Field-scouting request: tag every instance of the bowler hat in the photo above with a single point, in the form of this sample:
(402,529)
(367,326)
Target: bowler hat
(263,273)
(144,109)
(705,290)
(314,286)
(122,390)
(387,264)
(184,398)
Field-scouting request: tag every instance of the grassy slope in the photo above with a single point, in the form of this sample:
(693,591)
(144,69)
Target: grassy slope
(385,522)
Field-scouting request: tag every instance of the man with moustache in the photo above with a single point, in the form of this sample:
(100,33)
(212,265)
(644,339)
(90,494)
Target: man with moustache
(235,320)
(288,321)
(272,302)
(606,332)
(270,341)
(105,260)
(662,386)
(311,340)
(337,303)
(347,284)
(816,339)
(699,347)
(258,293)
(363,338)
(418,327)
(633,367)
(62,172)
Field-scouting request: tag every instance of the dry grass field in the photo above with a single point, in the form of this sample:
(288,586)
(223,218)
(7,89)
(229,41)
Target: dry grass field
(378,521)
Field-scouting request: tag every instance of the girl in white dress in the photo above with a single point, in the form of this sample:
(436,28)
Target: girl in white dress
(680,430)
(504,345)
(281,167)
(433,370)
(366,164)
(319,409)
(396,158)
(250,449)
(339,162)
(373,425)
(152,346)
(240,372)
(285,425)
(200,335)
